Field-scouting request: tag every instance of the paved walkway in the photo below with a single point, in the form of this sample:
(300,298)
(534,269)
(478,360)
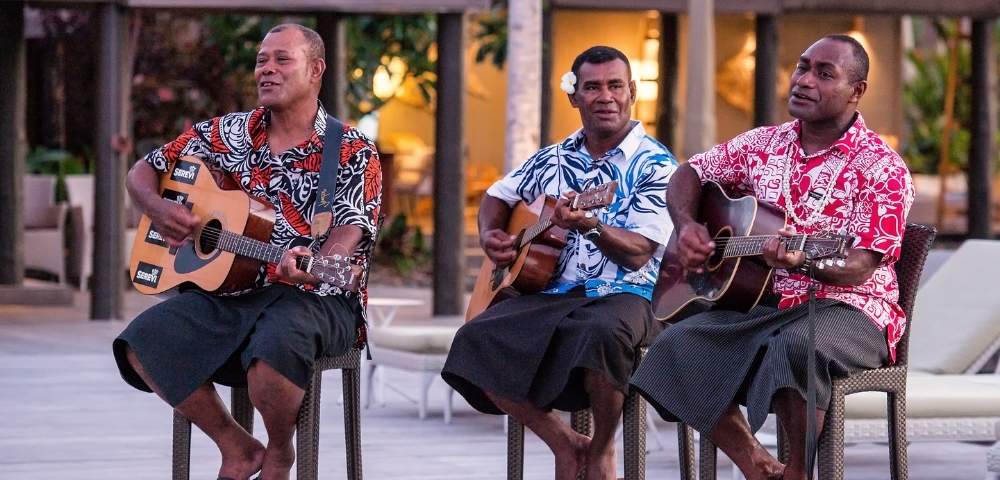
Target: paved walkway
(67,414)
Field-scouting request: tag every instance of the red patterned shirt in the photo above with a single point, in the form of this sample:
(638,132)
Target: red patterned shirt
(237,144)
(858,186)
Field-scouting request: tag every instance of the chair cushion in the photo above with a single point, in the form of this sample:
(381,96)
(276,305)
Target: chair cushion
(412,338)
(957,313)
(935,396)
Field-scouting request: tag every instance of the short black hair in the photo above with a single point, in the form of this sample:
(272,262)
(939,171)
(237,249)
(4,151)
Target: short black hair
(858,70)
(314,42)
(600,54)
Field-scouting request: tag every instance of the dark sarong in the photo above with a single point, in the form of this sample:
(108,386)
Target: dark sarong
(195,337)
(535,348)
(697,367)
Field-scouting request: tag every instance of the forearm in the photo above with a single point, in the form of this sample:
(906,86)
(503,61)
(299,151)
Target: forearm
(858,267)
(143,185)
(343,240)
(625,248)
(683,195)
(493,214)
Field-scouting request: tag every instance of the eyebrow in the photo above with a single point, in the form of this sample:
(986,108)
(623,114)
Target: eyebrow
(806,60)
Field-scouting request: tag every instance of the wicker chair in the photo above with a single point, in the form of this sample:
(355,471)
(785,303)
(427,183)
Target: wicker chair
(307,425)
(634,439)
(892,379)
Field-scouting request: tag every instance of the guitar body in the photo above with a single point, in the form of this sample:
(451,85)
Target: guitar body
(155,267)
(532,269)
(730,284)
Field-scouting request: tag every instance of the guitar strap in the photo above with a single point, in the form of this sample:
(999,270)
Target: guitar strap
(323,211)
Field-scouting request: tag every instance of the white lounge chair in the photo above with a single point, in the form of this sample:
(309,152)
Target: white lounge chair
(44,226)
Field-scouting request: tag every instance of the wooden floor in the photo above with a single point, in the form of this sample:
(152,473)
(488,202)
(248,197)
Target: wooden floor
(65,413)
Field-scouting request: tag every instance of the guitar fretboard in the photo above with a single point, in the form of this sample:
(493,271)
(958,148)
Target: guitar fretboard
(731,247)
(246,246)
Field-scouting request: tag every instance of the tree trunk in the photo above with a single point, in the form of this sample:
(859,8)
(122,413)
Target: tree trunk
(524,64)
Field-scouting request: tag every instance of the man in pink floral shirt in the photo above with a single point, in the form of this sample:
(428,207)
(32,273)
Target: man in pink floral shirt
(829,173)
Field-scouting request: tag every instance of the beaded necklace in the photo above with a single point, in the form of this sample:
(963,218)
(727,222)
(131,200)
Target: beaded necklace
(816,213)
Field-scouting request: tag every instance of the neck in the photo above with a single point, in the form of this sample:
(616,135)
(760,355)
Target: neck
(296,119)
(598,145)
(816,136)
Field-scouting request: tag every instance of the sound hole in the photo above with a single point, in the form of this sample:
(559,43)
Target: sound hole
(721,237)
(208,241)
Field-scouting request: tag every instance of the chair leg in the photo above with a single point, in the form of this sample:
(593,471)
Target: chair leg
(425,387)
(707,460)
(685,449)
(182,448)
(307,430)
(830,457)
(783,446)
(448,394)
(515,449)
(241,408)
(582,422)
(352,421)
(896,404)
(634,437)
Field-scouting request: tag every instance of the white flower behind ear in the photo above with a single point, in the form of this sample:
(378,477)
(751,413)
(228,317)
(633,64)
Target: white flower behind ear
(568,82)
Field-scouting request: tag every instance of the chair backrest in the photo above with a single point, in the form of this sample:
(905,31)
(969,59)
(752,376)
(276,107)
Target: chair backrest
(39,196)
(917,240)
(959,312)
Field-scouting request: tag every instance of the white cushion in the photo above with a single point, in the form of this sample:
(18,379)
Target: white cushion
(935,396)
(957,313)
(412,338)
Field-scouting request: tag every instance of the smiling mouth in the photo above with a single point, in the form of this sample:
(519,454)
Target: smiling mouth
(267,84)
(799,96)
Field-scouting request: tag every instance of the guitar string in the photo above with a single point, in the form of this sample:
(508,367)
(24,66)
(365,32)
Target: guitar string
(216,235)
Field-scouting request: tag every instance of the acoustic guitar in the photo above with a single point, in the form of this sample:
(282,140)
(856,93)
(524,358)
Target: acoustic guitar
(230,245)
(735,276)
(538,245)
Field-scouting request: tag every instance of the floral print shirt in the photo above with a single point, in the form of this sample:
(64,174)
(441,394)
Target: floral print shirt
(641,165)
(858,186)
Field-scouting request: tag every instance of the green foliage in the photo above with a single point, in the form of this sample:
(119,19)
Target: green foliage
(923,100)
(48,161)
(374,40)
(492,35)
(403,248)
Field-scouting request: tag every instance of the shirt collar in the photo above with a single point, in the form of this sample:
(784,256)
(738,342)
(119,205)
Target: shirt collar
(628,146)
(315,141)
(847,142)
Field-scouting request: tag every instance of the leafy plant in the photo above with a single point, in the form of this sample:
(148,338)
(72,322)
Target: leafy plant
(49,161)
(403,248)
(492,35)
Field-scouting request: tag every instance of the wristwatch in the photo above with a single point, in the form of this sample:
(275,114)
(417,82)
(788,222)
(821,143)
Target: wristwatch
(594,233)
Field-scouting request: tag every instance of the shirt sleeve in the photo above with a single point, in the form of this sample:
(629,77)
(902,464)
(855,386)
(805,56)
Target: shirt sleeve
(648,214)
(190,142)
(525,182)
(878,220)
(726,163)
(359,183)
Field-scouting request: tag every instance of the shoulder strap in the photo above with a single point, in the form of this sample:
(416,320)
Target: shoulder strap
(323,212)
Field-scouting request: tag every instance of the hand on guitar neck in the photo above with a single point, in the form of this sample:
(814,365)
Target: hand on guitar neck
(777,255)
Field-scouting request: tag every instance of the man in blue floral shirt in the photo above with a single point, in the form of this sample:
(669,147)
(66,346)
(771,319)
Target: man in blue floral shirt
(573,345)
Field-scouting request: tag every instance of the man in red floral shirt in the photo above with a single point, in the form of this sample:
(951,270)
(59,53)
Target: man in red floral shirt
(268,338)
(829,173)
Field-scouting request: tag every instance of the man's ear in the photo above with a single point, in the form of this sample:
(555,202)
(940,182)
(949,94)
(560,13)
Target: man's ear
(631,92)
(859,91)
(572,100)
(317,67)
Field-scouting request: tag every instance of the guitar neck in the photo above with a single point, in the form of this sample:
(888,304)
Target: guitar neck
(533,231)
(248,247)
(747,246)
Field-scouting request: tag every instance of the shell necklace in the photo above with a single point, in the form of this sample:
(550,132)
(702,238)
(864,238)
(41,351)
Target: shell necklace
(816,212)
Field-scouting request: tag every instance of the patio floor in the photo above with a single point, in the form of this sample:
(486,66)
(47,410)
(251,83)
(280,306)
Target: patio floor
(67,414)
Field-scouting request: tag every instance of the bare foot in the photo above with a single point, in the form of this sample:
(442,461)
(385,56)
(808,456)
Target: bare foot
(571,463)
(601,466)
(242,462)
(767,467)
(278,462)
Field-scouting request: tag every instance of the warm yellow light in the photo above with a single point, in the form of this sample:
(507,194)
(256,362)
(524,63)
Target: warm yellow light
(648,90)
(387,79)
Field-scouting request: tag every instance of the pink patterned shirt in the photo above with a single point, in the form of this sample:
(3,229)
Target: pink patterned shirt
(858,186)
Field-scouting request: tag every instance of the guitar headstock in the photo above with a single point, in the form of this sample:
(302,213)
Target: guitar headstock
(828,245)
(596,197)
(336,270)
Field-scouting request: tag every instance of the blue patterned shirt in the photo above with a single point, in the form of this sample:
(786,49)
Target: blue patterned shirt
(642,166)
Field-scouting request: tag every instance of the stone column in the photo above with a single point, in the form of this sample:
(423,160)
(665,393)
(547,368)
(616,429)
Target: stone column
(699,127)
(666,111)
(524,65)
(113,73)
(333,28)
(12,147)
(449,168)
(766,70)
(982,147)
